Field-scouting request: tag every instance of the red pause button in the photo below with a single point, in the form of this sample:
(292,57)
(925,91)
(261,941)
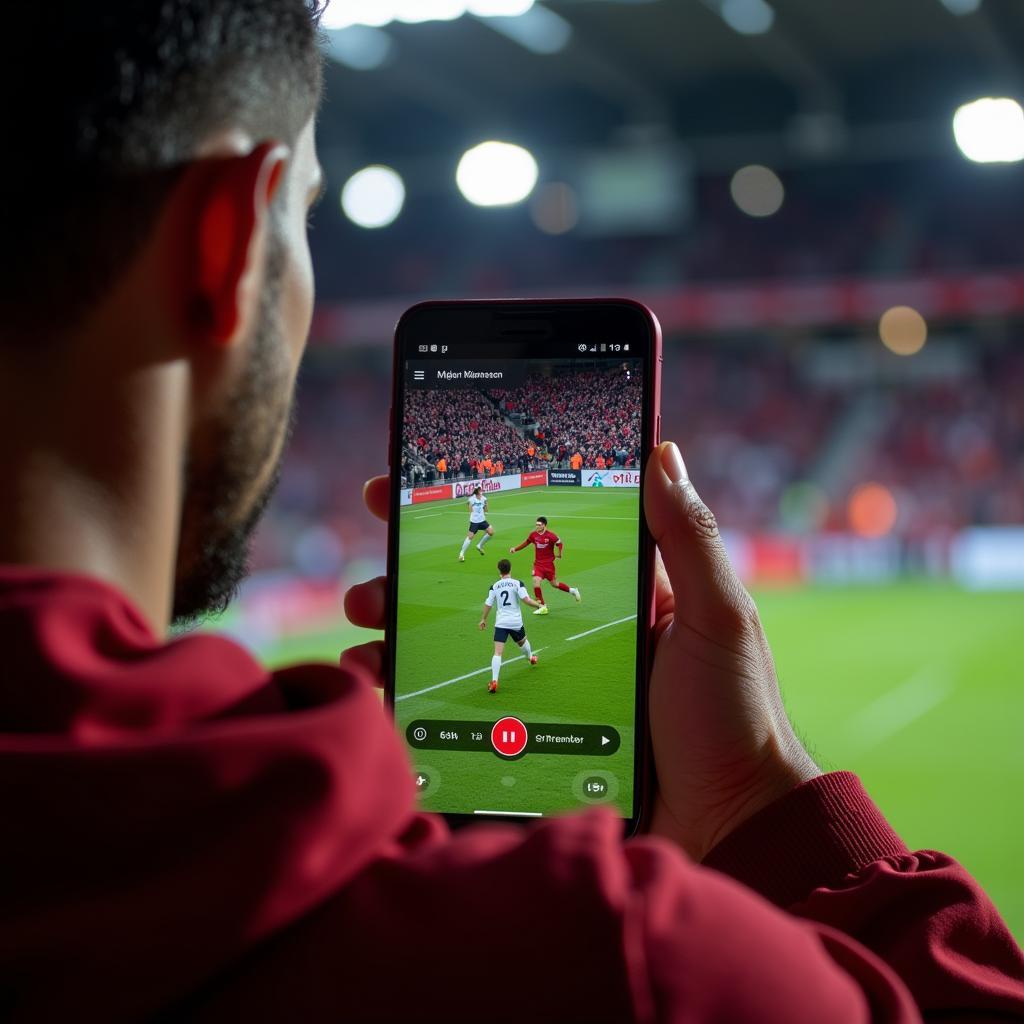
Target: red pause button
(509,737)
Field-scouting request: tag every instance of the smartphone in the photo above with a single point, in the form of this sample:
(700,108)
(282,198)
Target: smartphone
(521,572)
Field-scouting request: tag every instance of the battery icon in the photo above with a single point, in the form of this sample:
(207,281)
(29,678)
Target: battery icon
(625,348)
(604,348)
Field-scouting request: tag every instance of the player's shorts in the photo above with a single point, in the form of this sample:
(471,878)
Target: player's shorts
(475,527)
(503,633)
(545,571)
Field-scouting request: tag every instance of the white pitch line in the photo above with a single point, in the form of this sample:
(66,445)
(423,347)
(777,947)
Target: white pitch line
(597,629)
(514,814)
(430,515)
(468,675)
(897,708)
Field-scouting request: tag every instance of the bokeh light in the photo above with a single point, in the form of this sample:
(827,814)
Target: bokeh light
(872,510)
(373,197)
(748,17)
(990,130)
(757,190)
(496,174)
(903,330)
(554,208)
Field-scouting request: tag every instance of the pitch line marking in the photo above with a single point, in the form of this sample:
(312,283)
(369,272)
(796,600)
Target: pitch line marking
(429,515)
(899,707)
(514,814)
(468,675)
(597,629)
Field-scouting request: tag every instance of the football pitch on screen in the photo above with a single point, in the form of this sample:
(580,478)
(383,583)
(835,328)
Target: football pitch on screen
(917,687)
(586,651)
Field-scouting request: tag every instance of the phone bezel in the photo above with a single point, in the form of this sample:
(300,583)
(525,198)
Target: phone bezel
(482,321)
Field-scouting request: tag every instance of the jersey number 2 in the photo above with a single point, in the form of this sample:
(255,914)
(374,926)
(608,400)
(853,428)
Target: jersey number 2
(504,599)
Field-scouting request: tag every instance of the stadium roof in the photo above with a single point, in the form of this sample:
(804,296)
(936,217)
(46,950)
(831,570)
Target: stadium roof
(846,79)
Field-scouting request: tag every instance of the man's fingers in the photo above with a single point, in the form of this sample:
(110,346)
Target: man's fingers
(365,603)
(366,656)
(702,578)
(376,494)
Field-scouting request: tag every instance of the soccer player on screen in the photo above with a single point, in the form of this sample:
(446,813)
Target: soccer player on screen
(477,522)
(544,543)
(506,594)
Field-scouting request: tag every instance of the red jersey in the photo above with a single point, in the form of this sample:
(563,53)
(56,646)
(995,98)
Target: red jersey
(241,845)
(544,545)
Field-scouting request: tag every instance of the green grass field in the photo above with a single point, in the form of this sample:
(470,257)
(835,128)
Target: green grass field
(919,688)
(443,657)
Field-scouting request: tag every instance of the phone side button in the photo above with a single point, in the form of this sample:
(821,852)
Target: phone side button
(390,431)
(657,432)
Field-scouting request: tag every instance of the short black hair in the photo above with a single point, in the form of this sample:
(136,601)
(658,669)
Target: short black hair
(475,489)
(504,567)
(123,93)
(542,519)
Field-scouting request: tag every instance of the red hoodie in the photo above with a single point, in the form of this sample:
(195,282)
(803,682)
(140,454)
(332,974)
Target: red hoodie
(190,836)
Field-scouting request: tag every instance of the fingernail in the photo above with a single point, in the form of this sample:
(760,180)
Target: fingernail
(672,462)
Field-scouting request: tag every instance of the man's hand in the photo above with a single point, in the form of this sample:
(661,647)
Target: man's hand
(483,624)
(723,746)
(511,551)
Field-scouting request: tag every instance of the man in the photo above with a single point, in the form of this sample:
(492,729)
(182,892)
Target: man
(478,523)
(188,835)
(545,542)
(506,593)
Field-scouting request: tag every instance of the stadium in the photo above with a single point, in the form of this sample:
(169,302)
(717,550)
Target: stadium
(840,279)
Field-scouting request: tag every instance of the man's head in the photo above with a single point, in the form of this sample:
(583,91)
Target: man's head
(504,567)
(541,524)
(477,492)
(163,187)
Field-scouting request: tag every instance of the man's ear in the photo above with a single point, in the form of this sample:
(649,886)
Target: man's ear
(229,213)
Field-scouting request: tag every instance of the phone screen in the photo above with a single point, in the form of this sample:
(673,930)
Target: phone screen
(519,566)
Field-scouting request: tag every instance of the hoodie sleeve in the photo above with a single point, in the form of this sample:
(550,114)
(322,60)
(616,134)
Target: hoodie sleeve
(826,853)
(559,923)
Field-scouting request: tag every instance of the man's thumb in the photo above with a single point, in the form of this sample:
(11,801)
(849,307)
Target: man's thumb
(703,580)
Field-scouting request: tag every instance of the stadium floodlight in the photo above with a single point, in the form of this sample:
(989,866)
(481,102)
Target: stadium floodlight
(499,8)
(343,13)
(990,130)
(373,197)
(757,190)
(414,11)
(961,7)
(539,29)
(748,17)
(496,174)
(359,47)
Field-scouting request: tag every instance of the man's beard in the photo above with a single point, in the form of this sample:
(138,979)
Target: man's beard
(217,528)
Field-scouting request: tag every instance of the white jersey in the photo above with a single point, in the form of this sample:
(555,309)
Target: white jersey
(477,509)
(506,594)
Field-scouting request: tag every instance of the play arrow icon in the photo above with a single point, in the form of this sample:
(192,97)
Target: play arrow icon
(605,740)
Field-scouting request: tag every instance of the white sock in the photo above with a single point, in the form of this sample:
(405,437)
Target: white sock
(485,539)
(495,666)
(527,650)
(465,545)
(573,591)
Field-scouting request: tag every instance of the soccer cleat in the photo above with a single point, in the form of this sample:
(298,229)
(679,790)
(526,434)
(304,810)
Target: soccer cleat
(542,610)
(480,549)
(575,591)
(492,687)
(462,558)
(533,659)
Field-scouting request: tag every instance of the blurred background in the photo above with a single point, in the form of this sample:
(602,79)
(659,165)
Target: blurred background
(824,205)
